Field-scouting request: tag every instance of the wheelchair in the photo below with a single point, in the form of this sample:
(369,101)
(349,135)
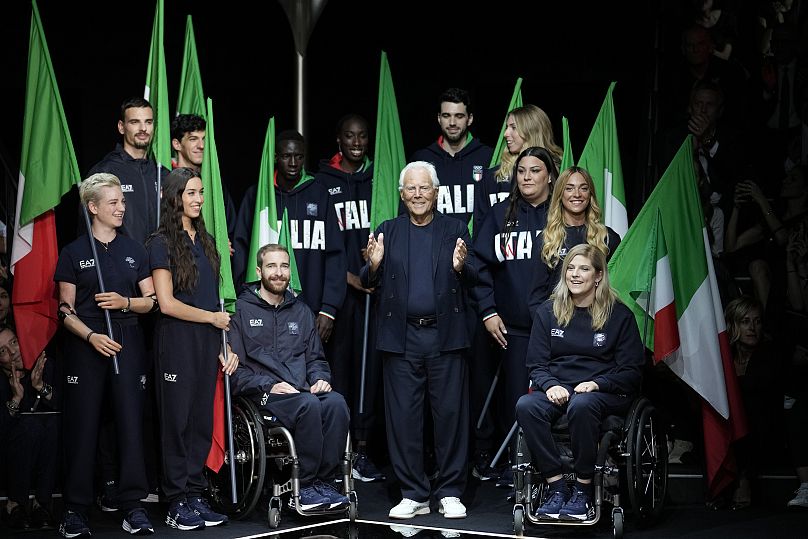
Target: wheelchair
(266,462)
(632,454)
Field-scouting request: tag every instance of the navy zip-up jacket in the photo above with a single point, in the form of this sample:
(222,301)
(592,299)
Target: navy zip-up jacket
(350,195)
(139,185)
(275,344)
(612,356)
(506,274)
(315,237)
(459,175)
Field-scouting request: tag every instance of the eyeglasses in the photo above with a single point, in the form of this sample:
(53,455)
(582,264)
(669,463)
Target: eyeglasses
(422,189)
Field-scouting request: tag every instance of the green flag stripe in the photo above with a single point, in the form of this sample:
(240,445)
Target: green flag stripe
(191,99)
(516,101)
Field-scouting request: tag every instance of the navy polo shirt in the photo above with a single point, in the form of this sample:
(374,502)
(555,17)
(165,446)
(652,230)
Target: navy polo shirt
(205,295)
(123,262)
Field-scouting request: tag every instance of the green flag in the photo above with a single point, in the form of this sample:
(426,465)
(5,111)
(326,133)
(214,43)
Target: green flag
(48,170)
(213,212)
(265,219)
(157,92)
(389,146)
(568,159)
(191,99)
(601,157)
(516,101)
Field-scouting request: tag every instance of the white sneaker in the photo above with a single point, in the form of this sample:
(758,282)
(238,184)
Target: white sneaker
(801,498)
(408,508)
(450,507)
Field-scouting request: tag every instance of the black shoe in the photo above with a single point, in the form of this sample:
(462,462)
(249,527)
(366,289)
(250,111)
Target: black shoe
(201,507)
(364,470)
(107,500)
(336,499)
(482,469)
(41,518)
(137,522)
(74,525)
(16,518)
(578,507)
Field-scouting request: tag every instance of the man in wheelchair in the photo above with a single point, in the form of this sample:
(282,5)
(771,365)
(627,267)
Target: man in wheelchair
(284,372)
(585,358)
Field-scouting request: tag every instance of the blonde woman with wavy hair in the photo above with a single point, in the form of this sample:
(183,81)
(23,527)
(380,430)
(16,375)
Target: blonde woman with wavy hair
(585,360)
(525,127)
(573,218)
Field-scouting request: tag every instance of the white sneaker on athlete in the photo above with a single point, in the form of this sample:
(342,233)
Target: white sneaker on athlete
(408,508)
(450,507)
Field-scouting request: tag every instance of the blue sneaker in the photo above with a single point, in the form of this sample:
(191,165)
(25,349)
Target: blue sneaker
(552,504)
(335,497)
(182,517)
(364,470)
(578,507)
(137,522)
(311,499)
(201,507)
(74,525)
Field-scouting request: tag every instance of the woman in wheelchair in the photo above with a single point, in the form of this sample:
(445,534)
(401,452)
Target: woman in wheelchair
(585,358)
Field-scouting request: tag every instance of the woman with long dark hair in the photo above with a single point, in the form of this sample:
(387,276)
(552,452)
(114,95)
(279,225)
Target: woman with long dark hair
(505,246)
(585,359)
(185,269)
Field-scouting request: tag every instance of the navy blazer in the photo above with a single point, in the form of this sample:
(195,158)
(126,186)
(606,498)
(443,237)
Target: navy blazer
(451,288)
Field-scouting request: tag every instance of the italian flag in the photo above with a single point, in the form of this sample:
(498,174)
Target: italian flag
(567,158)
(601,157)
(191,99)
(663,272)
(48,170)
(267,228)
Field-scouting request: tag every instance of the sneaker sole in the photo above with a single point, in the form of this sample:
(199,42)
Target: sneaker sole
(151,498)
(420,511)
(211,523)
(480,476)
(577,518)
(136,531)
(445,515)
(356,475)
(174,524)
(72,535)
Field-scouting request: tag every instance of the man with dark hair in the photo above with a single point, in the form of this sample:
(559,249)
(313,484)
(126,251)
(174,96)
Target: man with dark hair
(129,161)
(188,140)
(459,158)
(283,371)
(313,232)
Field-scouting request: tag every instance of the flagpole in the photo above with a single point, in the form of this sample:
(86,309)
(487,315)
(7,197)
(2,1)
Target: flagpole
(490,395)
(229,416)
(364,355)
(159,190)
(101,286)
(652,262)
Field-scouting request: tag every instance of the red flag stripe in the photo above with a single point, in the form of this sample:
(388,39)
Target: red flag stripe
(666,332)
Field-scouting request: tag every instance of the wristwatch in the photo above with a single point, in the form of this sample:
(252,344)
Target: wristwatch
(128,305)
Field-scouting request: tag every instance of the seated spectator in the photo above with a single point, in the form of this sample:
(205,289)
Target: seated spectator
(755,358)
(29,434)
(283,370)
(585,359)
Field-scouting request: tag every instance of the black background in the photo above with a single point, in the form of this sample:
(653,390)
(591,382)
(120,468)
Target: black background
(566,52)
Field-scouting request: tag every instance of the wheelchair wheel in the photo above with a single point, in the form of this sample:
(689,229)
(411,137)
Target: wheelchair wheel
(519,521)
(617,522)
(647,466)
(250,464)
(274,517)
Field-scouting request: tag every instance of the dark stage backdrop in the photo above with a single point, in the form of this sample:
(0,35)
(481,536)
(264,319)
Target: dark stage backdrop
(567,53)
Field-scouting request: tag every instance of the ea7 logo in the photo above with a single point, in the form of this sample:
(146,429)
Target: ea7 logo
(84,264)
(73,380)
(335,190)
(557,333)
(257,323)
(264,399)
(169,377)
(127,188)
(131,261)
